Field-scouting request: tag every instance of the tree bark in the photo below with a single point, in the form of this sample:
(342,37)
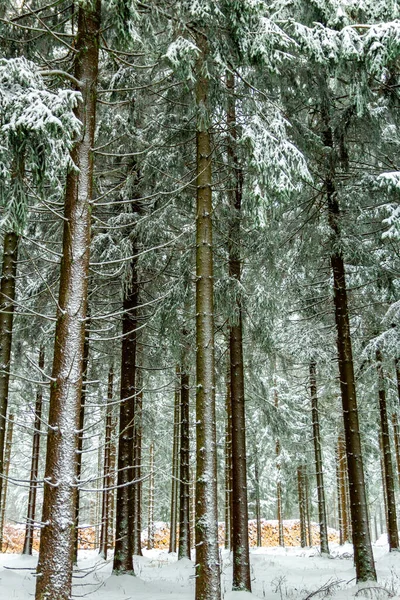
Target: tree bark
(7,460)
(137,457)
(33,485)
(279,514)
(302,507)
(7,297)
(343,492)
(363,557)
(107,481)
(124,529)
(228,461)
(207,553)
(396,435)
(323,528)
(184,489)
(393,533)
(54,571)
(240,517)
(85,365)
(150,521)
(307,504)
(175,465)
(258,499)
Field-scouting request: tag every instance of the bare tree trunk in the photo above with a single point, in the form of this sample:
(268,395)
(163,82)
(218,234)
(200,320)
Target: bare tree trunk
(85,365)
(393,534)
(150,521)
(184,491)
(193,509)
(278,483)
(124,530)
(228,462)
(137,458)
(30,519)
(54,571)
(7,460)
(323,528)
(207,553)
(175,466)
(240,517)
(208,585)
(105,508)
(258,503)
(7,297)
(343,488)
(307,505)
(363,557)
(396,435)
(302,507)
(384,491)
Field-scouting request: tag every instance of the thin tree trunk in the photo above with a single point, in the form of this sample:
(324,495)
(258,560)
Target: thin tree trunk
(343,488)
(105,508)
(307,504)
(228,461)
(258,500)
(184,491)
(33,484)
(124,530)
(393,534)
(208,585)
(175,465)
(302,507)
(363,557)
(85,365)
(113,478)
(7,297)
(396,435)
(193,508)
(137,458)
(54,571)
(240,518)
(150,521)
(323,528)
(384,491)
(279,515)
(7,460)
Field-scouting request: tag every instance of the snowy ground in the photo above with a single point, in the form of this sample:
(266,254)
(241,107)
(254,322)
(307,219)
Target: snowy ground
(277,573)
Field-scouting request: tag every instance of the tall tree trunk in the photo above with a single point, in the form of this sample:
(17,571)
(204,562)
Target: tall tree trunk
(137,457)
(302,507)
(184,491)
(384,490)
(7,297)
(343,491)
(258,499)
(396,435)
(107,482)
(150,520)
(7,460)
(307,505)
(363,557)
(85,365)
(393,533)
(33,484)
(228,461)
(279,514)
(175,465)
(323,528)
(208,585)
(54,571)
(240,518)
(124,529)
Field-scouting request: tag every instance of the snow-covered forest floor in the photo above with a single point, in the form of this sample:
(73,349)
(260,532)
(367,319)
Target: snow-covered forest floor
(277,574)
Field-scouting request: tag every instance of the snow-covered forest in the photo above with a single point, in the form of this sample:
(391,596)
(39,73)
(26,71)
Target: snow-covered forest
(199,299)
